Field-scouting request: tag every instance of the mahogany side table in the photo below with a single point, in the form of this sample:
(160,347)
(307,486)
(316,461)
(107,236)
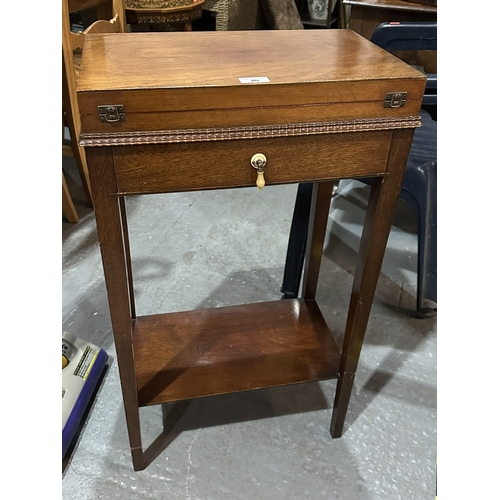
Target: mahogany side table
(159,115)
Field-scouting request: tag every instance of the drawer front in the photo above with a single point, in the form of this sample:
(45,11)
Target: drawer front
(167,168)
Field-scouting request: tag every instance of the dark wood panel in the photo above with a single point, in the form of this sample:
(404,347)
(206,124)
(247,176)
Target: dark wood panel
(214,351)
(212,165)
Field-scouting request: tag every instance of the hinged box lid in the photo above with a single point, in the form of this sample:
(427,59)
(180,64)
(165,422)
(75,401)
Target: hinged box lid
(144,82)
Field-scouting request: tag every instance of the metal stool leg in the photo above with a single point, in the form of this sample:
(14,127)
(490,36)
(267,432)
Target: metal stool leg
(297,242)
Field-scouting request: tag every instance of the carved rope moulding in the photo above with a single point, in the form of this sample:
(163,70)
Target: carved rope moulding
(171,18)
(250,132)
(157,4)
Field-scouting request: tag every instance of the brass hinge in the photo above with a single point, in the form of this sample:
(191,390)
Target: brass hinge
(111,113)
(395,100)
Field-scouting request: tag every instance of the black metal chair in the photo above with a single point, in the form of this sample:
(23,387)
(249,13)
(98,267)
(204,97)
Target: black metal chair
(419,187)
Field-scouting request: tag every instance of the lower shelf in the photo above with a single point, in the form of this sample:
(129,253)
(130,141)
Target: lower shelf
(185,355)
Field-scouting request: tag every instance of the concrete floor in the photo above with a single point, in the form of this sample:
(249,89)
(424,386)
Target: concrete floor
(217,248)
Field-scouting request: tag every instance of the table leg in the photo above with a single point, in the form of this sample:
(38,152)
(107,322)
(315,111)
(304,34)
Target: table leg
(111,239)
(384,195)
(128,258)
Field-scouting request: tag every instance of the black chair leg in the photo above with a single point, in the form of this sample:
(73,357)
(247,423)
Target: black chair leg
(419,191)
(297,242)
(427,247)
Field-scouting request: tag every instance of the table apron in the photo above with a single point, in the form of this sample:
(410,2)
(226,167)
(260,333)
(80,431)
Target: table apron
(226,164)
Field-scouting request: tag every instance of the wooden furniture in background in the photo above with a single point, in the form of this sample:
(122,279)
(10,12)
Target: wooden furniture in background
(68,206)
(111,19)
(189,127)
(366,15)
(183,12)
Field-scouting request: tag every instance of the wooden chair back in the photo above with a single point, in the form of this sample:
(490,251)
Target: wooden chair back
(110,19)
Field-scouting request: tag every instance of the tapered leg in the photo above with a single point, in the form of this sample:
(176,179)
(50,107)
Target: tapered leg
(111,239)
(128,258)
(384,195)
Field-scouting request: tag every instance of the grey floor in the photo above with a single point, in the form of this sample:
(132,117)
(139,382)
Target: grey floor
(210,249)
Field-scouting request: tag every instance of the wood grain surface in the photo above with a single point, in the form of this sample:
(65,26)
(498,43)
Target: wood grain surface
(214,351)
(184,79)
(191,80)
(170,60)
(110,233)
(214,165)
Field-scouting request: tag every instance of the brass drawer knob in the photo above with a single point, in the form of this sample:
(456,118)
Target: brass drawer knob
(258,162)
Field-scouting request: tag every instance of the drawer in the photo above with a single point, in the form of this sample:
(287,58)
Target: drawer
(167,168)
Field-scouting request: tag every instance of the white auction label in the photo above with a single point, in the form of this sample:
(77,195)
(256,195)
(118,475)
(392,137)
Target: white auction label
(254,79)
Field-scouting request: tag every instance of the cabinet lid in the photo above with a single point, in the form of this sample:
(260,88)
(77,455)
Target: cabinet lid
(202,59)
(240,78)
